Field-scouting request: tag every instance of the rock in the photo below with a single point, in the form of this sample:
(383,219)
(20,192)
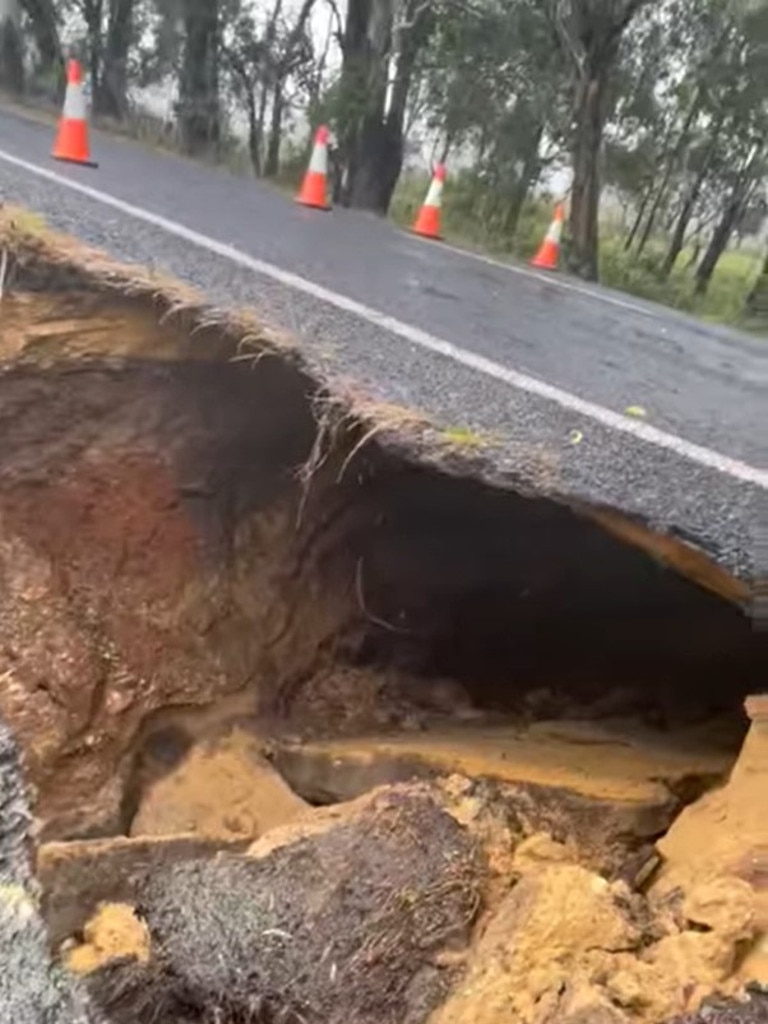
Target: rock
(555,929)
(751,1009)
(113,933)
(475,805)
(539,852)
(721,838)
(725,905)
(584,1004)
(343,924)
(77,876)
(606,795)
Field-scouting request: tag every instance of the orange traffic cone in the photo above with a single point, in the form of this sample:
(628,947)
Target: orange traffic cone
(314,187)
(428,221)
(72,142)
(548,255)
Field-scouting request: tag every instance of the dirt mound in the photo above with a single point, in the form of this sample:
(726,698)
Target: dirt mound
(344,927)
(222,787)
(724,835)
(565,943)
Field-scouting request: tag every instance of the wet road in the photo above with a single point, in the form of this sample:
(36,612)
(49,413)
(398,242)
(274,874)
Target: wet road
(529,357)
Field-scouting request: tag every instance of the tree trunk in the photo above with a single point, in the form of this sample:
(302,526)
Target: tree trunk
(695,252)
(366,48)
(758,289)
(671,164)
(42,15)
(257,133)
(254,139)
(678,235)
(272,164)
(372,138)
(651,218)
(11,50)
(111,92)
(530,174)
(720,237)
(199,113)
(638,218)
(272,160)
(585,191)
(686,211)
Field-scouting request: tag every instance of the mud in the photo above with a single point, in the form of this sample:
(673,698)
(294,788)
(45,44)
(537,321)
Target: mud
(229,588)
(177,528)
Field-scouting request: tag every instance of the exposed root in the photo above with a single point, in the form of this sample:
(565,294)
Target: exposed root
(370,616)
(3,271)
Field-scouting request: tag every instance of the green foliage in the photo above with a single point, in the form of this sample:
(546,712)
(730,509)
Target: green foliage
(638,275)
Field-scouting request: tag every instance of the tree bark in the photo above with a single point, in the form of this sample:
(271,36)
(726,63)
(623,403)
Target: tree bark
(638,217)
(11,50)
(585,191)
(758,290)
(366,48)
(111,91)
(529,175)
(272,163)
(254,138)
(720,236)
(671,163)
(272,160)
(93,13)
(199,113)
(372,137)
(686,211)
(589,33)
(42,15)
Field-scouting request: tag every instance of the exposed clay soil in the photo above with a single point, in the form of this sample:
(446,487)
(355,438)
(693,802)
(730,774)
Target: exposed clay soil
(215,568)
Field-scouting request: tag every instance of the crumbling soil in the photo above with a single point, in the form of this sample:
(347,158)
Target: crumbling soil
(725,835)
(115,932)
(222,787)
(229,589)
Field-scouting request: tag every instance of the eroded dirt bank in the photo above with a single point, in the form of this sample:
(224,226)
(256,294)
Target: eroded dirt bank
(213,565)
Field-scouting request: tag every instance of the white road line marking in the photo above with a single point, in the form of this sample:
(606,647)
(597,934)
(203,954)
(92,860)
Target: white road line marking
(415,335)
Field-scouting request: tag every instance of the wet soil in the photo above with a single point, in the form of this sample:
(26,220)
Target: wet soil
(225,594)
(158,549)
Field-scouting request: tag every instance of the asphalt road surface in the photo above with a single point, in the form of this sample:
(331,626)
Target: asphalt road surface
(536,360)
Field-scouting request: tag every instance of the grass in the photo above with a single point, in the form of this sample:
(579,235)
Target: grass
(462,225)
(465,437)
(723,302)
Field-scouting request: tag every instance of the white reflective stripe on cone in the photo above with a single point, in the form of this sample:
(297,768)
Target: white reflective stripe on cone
(435,194)
(318,163)
(74,103)
(555,232)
